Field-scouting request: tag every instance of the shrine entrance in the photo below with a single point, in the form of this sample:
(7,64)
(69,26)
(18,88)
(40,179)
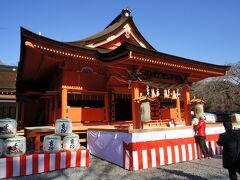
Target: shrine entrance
(123,107)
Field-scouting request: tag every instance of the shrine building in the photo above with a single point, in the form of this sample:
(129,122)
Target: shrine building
(101,80)
(8,91)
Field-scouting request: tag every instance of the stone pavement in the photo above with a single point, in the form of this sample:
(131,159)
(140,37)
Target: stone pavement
(99,169)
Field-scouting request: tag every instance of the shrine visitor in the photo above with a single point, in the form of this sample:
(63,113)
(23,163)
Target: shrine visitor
(194,123)
(230,140)
(201,138)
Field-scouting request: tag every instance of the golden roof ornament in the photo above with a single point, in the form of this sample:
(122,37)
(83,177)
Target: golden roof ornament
(198,100)
(144,98)
(126,12)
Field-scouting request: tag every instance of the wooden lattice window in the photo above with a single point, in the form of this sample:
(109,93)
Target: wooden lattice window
(155,115)
(8,110)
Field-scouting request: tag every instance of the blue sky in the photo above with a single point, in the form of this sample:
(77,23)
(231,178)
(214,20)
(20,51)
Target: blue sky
(202,30)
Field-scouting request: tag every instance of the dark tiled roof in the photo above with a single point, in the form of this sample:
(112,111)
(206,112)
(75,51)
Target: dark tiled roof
(8,77)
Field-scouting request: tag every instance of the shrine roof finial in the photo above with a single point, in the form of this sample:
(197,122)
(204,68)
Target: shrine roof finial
(126,12)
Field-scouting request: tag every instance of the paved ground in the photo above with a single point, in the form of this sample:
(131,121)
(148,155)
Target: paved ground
(99,169)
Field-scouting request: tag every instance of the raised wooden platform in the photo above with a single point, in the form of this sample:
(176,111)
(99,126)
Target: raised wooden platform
(35,135)
(151,147)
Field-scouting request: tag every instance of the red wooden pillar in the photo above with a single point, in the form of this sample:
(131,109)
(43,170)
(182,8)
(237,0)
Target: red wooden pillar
(106,103)
(186,95)
(135,106)
(178,108)
(64,102)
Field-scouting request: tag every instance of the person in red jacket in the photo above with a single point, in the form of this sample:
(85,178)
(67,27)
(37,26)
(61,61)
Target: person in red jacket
(201,137)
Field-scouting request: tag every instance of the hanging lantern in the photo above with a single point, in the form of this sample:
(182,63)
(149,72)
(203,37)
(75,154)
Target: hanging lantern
(165,93)
(153,93)
(168,92)
(174,96)
(147,89)
(157,92)
(129,84)
(177,94)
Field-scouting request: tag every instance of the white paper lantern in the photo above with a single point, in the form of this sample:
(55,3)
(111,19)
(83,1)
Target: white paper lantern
(147,89)
(165,93)
(63,127)
(52,143)
(71,142)
(174,96)
(1,147)
(157,92)
(15,146)
(177,93)
(8,128)
(153,93)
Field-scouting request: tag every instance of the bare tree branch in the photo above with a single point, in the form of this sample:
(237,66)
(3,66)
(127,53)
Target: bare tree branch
(222,93)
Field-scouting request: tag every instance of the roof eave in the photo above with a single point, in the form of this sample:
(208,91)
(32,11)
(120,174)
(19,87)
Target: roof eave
(127,47)
(27,35)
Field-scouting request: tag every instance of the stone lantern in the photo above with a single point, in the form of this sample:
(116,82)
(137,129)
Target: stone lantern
(198,106)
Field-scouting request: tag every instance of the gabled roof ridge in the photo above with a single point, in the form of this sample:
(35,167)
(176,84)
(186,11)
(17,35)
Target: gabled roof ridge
(119,22)
(114,26)
(125,13)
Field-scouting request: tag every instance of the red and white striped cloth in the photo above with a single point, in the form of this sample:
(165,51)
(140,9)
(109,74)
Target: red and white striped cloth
(148,154)
(38,163)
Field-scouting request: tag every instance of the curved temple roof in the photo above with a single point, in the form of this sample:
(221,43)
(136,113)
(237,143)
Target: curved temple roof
(119,41)
(123,19)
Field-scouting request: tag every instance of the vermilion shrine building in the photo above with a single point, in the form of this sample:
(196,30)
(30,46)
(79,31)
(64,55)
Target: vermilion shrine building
(98,80)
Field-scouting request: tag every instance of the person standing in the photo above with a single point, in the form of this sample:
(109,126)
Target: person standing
(201,137)
(230,140)
(194,123)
